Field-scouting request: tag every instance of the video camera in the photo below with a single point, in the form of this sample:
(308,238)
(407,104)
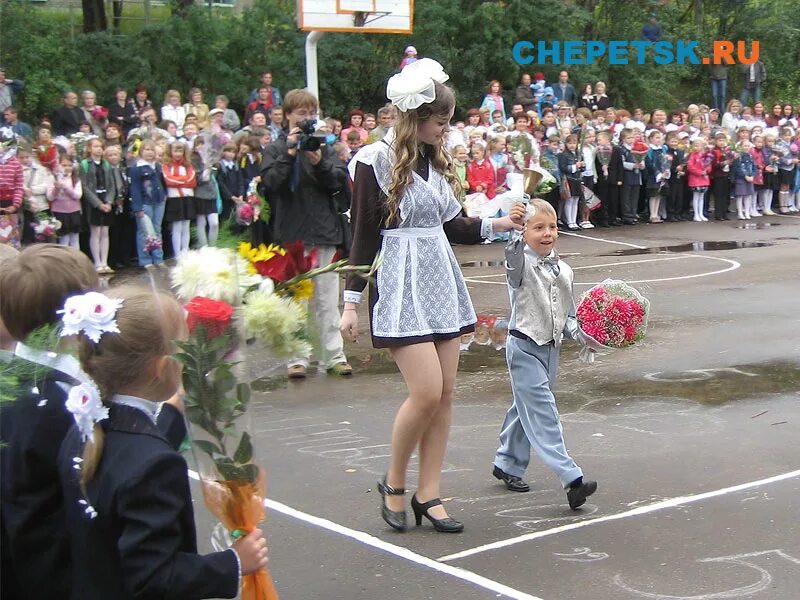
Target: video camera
(310,140)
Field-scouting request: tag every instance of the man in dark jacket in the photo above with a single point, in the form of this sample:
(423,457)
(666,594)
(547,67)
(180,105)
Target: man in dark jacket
(302,186)
(524,93)
(753,77)
(563,90)
(67,119)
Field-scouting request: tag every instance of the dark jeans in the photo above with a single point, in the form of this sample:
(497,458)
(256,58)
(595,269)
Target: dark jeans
(721,188)
(629,201)
(754,91)
(675,203)
(719,92)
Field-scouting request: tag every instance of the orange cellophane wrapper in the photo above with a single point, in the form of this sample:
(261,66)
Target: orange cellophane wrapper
(240,505)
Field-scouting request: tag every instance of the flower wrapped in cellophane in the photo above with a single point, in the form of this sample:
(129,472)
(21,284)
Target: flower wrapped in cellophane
(235,298)
(152,238)
(610,316)
(45,227)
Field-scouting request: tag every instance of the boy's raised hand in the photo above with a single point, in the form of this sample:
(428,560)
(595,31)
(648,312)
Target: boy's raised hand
(517,215)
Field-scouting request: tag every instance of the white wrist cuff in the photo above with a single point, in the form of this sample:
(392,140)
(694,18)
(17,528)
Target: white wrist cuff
(487,229)
(351,296)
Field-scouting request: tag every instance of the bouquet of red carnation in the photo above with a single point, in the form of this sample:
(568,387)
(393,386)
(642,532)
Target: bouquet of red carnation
(639,150)
(611,315)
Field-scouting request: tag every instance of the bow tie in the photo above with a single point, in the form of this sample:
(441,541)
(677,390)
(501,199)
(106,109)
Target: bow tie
(548,261)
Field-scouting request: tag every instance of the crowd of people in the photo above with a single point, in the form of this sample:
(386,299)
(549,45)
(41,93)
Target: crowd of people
(109,178)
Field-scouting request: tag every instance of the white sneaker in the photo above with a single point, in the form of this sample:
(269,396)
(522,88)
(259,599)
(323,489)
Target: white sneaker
(793,209)
(586,225)
(768,213)
(704,218)
(741,217)
(755,214)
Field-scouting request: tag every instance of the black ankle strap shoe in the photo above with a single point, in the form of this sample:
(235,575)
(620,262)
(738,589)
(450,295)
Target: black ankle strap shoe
(448,525)
(396,519)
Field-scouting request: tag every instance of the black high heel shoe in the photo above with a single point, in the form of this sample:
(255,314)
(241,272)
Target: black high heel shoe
(396,519)
(447,525)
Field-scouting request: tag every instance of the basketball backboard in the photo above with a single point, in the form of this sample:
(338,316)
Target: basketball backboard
(359,16)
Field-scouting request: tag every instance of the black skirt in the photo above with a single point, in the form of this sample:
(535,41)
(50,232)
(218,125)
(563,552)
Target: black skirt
(70,222)
(97,218)
(574,187)
(180,209)
(205,206)
(787,177)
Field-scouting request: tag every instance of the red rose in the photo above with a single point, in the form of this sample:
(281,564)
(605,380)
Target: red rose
(214,316)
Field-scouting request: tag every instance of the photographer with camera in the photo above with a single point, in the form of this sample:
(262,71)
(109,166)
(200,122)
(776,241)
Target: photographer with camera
(302,176)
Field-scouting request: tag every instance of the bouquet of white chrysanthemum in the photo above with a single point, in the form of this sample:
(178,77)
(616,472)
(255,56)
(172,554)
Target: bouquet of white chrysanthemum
(216,273)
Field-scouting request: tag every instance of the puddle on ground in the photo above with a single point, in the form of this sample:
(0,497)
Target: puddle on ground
(483,263)
(475,360)
(692,247)
(712,386)
(757,225)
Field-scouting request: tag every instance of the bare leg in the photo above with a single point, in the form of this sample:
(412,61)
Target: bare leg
(419,364)
(433,444)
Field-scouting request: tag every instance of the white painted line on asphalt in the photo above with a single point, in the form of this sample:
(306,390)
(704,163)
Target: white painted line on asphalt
(732,266)
(631,262)
(641,510)
(587,237)
(399,551)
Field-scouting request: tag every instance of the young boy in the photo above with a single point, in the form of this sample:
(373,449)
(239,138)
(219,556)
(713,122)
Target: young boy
(542,310)
(677,168)
(230,180)
(33,286)
(632,180)
(608,166)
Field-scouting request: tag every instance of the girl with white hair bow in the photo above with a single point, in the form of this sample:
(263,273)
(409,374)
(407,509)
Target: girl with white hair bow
(404,206)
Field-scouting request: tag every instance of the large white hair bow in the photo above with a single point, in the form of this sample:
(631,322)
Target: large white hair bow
(414,85)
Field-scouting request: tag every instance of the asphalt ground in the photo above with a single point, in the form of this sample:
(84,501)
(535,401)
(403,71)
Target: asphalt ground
(692,437)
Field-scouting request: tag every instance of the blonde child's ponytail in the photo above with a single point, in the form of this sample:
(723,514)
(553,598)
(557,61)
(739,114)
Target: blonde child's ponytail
(92,453)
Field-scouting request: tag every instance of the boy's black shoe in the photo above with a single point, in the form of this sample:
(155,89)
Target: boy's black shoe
(513,483)
(576,496)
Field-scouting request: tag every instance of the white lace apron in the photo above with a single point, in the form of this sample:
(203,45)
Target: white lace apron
(421,290)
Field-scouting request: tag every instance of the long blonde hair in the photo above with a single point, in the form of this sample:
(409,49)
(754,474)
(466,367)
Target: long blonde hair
(148,323)
(407,149)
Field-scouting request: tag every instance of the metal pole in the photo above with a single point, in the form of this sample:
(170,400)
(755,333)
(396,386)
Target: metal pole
(312,79)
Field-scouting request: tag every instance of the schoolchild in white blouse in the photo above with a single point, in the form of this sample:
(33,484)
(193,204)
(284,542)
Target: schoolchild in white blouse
(404,206)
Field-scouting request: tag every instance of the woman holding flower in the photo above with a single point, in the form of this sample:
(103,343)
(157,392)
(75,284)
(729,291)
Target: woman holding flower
(405,206)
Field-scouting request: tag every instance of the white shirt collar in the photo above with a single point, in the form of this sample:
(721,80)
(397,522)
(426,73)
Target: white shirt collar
(148,407)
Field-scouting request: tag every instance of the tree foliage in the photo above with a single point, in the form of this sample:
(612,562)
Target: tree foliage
(224,53)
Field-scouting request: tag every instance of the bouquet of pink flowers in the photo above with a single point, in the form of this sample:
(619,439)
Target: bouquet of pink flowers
(45,227)
(611,315)
(152,239)
(253,208)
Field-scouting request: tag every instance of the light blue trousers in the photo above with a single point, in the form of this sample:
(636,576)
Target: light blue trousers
(532,420)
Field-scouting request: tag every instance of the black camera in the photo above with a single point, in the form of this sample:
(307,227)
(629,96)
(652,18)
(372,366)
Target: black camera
(310,139)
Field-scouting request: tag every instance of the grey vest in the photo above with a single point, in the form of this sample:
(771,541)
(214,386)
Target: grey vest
(541,302)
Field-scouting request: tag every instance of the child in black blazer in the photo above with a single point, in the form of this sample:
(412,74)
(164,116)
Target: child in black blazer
(35,552)
(231,181)
(128,505)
